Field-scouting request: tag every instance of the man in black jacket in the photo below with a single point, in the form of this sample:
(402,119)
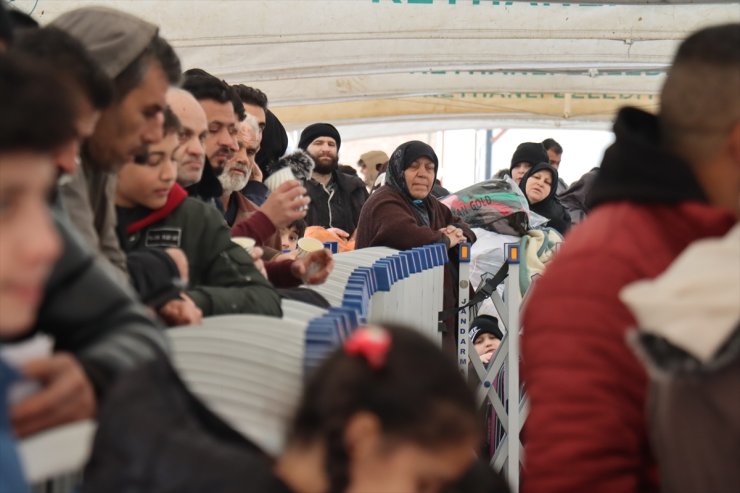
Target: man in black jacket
(336,197)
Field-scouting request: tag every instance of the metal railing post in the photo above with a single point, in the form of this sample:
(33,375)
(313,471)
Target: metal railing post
(463,323)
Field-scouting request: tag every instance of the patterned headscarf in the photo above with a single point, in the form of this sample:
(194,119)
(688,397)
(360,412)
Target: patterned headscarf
(399,162)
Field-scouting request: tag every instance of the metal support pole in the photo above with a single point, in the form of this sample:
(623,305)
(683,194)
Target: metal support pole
(462,316)
(513,300)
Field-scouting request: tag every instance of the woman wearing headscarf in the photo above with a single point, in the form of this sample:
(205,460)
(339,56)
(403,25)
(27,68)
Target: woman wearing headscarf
(539,185)
(403,214)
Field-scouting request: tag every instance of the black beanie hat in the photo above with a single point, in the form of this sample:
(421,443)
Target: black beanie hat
(529,152)
(485,324)
(313,132)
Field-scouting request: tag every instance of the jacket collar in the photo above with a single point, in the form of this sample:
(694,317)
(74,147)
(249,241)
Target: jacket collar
(176,197)
(209,187)
(636,168)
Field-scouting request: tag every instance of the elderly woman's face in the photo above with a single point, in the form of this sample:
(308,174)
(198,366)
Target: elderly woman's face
(420,177)
(539,186)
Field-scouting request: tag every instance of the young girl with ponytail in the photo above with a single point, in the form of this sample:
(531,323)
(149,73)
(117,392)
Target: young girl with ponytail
(387,413)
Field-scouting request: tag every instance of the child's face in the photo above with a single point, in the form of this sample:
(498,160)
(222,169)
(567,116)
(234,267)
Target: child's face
(519,170)
(486,343)
(289,238)
(29,243)
(149,184)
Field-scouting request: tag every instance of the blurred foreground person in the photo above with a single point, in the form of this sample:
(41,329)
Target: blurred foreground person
(667,181)
(367,421)
(690,343)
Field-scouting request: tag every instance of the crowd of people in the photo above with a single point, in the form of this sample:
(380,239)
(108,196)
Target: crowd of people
(136,196)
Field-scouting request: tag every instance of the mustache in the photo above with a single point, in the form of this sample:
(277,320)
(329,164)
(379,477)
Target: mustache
(241,167)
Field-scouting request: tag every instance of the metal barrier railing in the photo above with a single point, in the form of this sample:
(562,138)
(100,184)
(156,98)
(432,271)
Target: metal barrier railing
(499,384)
(379,285)
(371,285)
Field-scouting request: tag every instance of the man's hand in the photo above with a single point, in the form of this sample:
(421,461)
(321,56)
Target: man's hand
(256,173)
(181,311)
(256,254)
(66,395)
(292,255)
(485,358)
(342,234)
(314,268)
(286,204)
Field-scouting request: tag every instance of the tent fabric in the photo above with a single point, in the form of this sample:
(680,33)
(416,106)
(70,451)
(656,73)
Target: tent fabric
(426,53)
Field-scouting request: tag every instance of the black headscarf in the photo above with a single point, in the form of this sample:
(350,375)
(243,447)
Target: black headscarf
(274,143)
(548,207)
(399,162)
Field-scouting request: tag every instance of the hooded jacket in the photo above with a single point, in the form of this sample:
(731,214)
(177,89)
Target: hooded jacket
(586,430)
(549,207)
(274,143)
(690,343)
(88,200)
(337,206)
(223,278)
(391,219)
(575,198)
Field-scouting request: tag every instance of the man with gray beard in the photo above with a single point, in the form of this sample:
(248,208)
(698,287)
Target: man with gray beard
(237,171)
(285,205)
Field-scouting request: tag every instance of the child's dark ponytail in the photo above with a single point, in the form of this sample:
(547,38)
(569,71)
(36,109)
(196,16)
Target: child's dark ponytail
(337,461)
(396,374)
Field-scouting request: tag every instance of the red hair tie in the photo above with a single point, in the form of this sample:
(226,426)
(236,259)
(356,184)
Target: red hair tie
(372,343)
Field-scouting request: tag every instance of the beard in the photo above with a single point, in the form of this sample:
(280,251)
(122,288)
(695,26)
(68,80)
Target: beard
(324,168)
(234,182)
(220,159)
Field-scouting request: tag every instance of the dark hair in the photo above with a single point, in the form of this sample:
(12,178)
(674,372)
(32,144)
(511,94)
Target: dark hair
(203,85)
(241,113)
(552,145)
(171,122)
(37,112)
(21,21)
(251,95)
(70,61)
(6,31)
(300,227)
(418,395)
(196,71)
(158,50)
(699,101)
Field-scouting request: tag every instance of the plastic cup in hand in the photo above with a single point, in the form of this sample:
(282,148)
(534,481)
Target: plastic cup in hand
(20,353)
(308,245)
(245,242)
(278,178)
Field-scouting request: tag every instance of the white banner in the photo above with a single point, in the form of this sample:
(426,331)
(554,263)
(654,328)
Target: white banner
(326,51)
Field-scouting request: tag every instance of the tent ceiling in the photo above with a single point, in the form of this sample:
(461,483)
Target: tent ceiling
(380,60)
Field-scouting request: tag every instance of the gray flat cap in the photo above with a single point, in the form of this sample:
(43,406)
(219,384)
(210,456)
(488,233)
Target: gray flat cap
(113,38)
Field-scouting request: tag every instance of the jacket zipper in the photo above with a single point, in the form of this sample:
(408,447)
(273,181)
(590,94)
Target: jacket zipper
(328,204)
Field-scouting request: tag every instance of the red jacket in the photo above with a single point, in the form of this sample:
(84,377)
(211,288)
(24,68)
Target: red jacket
(586,431)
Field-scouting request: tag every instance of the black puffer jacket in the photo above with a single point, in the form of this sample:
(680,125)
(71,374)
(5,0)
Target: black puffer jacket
(92,317)
(550,207)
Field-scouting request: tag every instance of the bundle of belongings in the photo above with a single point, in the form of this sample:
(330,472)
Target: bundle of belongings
(499,214)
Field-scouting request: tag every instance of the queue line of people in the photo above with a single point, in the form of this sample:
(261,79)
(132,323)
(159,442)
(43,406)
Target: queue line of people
(152,172)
